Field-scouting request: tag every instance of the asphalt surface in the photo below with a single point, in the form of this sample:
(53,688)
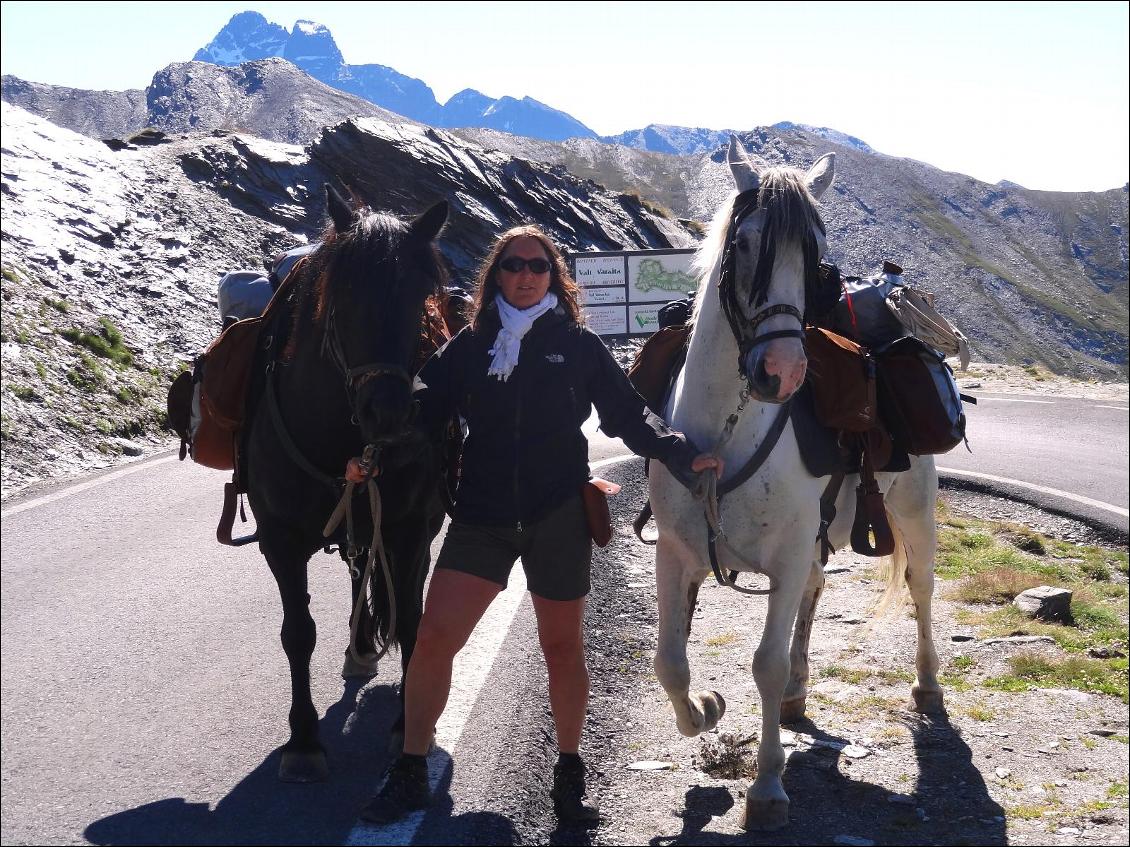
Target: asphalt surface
(145,690)
(1064,455)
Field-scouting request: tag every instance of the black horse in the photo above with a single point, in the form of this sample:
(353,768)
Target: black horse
(333,375)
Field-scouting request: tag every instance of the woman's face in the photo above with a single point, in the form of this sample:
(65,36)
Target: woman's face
(526,286)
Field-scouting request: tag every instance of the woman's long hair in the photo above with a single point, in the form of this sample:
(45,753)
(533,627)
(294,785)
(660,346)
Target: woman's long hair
(560,283)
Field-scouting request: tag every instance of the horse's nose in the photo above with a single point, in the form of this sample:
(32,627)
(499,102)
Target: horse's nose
(384,410)
(774,376)
(766,386)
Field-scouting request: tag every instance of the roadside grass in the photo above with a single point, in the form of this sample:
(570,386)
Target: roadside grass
(723,640)
(980,713)
(989,563)
(1030,671)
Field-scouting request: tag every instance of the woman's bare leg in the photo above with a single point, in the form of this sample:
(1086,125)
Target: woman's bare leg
(560,631)
(456,602)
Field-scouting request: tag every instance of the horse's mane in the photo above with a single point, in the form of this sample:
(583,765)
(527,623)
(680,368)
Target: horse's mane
(343,262)
(790,213)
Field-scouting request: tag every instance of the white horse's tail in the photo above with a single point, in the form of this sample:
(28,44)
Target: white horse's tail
(893,571)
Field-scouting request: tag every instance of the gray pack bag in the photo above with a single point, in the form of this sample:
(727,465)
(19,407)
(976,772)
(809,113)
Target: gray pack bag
(242,295)
(862,313)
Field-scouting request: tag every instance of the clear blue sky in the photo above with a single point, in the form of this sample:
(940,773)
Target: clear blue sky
(1032,92)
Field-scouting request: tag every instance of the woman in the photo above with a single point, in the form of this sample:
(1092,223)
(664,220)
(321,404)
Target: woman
(522,375)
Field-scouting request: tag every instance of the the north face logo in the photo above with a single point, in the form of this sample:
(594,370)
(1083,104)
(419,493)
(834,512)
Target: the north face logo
(556,358)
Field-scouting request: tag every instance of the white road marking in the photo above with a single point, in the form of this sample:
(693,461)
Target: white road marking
(86,486)
(611,461)
(1014,400)
(1119,408)
(471,669)
(1078,498)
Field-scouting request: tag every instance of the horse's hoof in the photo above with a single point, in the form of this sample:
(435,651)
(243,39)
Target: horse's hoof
(764,814)
(792,711)
(927,701)
(303,767)
(713,707)
(367,667)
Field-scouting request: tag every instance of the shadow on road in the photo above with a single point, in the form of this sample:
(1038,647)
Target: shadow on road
(262,810)
(947,804)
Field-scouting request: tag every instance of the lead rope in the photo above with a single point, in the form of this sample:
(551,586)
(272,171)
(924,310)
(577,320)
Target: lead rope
(376,548)
(713,510)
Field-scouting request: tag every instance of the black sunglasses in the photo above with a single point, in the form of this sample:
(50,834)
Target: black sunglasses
(516,264)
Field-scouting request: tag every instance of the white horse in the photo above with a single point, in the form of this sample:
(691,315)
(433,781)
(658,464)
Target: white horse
(764,246)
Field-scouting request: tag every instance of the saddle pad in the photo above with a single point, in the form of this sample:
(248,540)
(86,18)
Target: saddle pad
(819,447)
(817,443)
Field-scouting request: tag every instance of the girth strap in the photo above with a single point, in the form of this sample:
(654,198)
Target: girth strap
(828,514)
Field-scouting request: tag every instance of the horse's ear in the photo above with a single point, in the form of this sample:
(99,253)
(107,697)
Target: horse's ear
(820,175)
(340,213)
(427,226)
(747,176)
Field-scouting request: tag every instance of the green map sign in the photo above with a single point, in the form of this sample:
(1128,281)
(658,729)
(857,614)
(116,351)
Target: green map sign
(652,274)
(623,291)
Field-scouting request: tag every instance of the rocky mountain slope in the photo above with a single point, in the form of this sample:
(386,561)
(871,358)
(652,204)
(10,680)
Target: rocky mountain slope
(111,258)
(1030,276)
(97,114)
(270,98)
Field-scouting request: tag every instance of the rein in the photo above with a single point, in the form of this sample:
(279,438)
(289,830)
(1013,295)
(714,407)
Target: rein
(713,492)
(376,548)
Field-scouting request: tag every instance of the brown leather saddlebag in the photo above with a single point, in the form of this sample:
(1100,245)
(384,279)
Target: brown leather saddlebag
(226,366)
(842,375)
(179,407)
(650,372)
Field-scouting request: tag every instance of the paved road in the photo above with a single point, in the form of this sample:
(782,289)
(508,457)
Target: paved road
(144,689)
(1063,454)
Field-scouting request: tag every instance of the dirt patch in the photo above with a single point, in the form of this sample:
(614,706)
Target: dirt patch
(1034,767)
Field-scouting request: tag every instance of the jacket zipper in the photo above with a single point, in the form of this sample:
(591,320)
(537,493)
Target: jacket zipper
(517,448)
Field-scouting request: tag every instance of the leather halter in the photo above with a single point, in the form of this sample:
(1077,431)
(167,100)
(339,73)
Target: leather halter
(745,329)
(357,376)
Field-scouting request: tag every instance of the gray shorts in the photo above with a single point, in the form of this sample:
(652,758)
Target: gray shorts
(556,552)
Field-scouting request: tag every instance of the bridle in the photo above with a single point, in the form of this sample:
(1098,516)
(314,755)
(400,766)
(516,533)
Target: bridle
(354,377)
(357,376)
(745,329)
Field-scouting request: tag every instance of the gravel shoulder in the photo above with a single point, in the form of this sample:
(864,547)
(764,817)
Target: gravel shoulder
(1014,379)
(1002,768)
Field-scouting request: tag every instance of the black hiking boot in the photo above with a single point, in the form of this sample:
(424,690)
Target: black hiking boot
(569,794)
(405,791)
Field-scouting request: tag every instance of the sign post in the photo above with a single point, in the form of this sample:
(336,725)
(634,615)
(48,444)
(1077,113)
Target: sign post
(623,291)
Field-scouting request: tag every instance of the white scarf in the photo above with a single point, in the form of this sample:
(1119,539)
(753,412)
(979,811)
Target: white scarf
(515,324)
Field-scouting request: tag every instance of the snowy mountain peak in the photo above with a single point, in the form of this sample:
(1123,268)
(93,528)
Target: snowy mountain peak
(247,37)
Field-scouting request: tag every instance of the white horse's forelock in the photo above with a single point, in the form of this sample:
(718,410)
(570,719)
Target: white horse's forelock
(784,195)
